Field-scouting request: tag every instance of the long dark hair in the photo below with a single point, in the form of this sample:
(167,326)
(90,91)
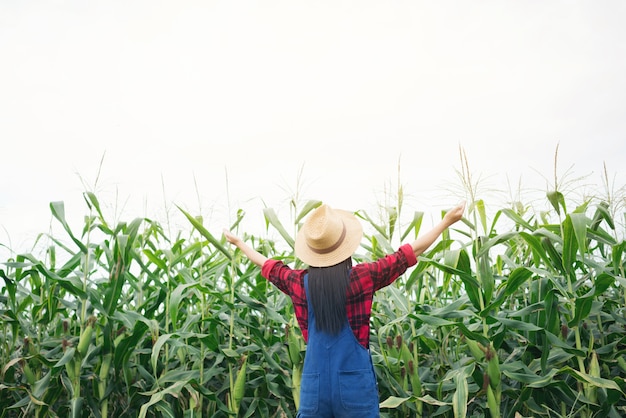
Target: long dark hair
(327,291)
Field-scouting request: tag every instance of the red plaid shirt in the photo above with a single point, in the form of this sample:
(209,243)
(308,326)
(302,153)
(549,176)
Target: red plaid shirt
(365,279)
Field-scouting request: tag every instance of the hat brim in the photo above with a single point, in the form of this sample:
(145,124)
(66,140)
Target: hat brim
(352,240)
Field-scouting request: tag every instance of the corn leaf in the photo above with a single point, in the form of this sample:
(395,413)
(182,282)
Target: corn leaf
(205,233)
(58,211)
(271,218)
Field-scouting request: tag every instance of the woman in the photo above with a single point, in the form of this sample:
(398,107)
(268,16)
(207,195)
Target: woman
(332,302)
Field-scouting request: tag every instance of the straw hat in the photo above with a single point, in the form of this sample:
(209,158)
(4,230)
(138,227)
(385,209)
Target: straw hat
(328,237)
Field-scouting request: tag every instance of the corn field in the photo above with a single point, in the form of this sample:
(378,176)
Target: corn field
(514,313)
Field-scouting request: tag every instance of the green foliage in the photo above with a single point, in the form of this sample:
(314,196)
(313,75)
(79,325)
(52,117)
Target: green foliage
(516,316)
(527,322)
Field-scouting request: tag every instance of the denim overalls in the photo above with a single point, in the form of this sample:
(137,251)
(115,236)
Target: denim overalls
(338,379)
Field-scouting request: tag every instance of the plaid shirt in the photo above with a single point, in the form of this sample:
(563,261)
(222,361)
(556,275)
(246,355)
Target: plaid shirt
(365,279)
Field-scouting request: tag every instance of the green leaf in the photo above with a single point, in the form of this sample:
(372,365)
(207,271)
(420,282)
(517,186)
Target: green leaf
(433,320)
(76,407)
(398,298)
(459,399)
(538,250)
(583,307)
(363,215)
(230,353)
(454,309)
(126,346)
(532,380)
(154,259)
(517,219)
(93,201)
(67,357)
(117,277)
(42,385)
(159,395)
(394,402)
(492,242)
(603,212)
(308,207)
(415,225)
(602,282)
(518,325)
(205,233)
(431,401)
(517,277)
(601,236)
(473,335)
(479,206)
(555,260)
(557,200)
(579,224)
(486,277)
(176,297)
(472,287)
(156,350)
(58,211)
(270,216)
(594,381)
(570,246)
(551,306)
(617,254)
(179,375)
(556,342)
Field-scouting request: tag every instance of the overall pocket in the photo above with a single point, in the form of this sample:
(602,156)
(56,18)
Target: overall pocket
(358,389)
(309,393)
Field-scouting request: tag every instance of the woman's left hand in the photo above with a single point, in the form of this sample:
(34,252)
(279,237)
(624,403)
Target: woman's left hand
(455,214)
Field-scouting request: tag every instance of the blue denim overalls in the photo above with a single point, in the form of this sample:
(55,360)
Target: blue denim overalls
(338,379)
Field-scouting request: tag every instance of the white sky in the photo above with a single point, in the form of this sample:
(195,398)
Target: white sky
(174,94)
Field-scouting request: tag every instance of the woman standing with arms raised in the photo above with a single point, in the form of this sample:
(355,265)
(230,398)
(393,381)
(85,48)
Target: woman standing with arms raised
(332,302)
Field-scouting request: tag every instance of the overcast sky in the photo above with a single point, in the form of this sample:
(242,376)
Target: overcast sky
(219,105)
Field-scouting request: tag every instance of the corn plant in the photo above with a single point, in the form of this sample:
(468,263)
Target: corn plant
(512,313)
(516,322)
(135,323)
